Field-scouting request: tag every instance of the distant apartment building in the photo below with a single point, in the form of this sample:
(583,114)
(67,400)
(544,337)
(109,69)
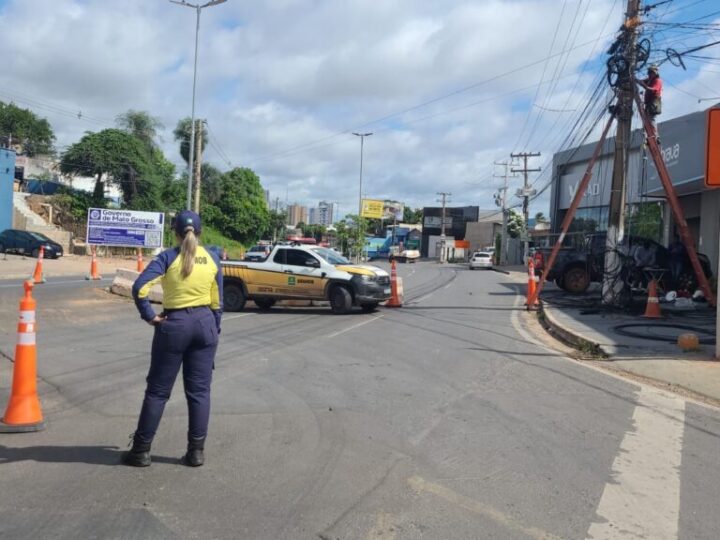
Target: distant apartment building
(322,214)
(297,214)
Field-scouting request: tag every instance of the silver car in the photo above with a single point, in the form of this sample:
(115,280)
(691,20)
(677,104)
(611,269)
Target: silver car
(481,259)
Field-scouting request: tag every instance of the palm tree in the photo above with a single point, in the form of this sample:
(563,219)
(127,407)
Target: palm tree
(540,218)
(182,134)
(140,124)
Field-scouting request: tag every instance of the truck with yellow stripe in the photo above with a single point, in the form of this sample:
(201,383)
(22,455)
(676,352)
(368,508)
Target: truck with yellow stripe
(298,272)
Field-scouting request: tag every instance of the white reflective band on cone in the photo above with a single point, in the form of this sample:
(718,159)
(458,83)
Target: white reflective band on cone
(27,316)
(26,339)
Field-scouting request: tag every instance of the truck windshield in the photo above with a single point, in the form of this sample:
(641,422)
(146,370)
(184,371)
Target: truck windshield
(331,256)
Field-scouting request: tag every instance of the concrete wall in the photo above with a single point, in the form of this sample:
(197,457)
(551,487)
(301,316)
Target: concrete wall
(482,234)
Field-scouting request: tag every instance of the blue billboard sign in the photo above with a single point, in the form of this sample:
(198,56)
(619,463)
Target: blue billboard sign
(125,228)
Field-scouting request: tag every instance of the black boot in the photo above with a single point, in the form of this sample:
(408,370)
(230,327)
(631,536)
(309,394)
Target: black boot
(194,456)
(139,454)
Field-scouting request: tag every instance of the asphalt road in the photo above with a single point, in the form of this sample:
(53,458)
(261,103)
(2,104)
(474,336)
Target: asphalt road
(444,419)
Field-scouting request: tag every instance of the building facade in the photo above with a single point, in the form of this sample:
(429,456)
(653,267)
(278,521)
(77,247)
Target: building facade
(683,142)
(456,219)
(322,214)
(297,214)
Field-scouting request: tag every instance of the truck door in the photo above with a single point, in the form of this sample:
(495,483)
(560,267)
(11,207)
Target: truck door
(304,274)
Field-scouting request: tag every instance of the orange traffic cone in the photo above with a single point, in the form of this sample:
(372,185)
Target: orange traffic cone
(531,285)
(652,311)
(23,411)
(394,296)
(140,266)
(37,276)
(94,274)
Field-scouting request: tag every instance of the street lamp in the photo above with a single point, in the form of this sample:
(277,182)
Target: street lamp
(198,8)
(362,144)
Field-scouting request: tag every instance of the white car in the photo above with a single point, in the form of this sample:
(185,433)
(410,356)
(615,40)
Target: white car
(481,259)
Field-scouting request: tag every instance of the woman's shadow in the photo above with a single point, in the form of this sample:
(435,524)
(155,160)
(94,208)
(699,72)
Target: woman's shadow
(93,455)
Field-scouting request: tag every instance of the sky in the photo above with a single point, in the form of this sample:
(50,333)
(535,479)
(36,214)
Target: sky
(447,87)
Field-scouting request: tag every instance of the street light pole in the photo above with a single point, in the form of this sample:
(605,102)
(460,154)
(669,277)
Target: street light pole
(191,169)
(360,228)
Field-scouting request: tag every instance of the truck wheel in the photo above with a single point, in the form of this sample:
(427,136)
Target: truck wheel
(576,280)
(559,282)
(233,297)
(369,308)
(340,300)
(264,303)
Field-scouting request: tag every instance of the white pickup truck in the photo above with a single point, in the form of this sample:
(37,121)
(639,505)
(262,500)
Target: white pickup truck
(300,272)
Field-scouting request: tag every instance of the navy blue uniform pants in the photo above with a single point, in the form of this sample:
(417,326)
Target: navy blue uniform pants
(187,338)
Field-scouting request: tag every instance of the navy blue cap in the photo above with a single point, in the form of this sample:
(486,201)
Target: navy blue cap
(185,219)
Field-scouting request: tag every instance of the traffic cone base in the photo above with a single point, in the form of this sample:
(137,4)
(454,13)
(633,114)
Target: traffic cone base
(23,412)
(652,310)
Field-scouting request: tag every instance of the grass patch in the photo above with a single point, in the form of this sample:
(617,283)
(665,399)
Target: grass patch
(212,237)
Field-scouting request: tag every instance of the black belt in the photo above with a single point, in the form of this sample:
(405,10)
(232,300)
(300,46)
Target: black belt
(185,309)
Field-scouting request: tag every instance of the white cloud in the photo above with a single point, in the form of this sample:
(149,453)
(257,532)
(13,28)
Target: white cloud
(279,80)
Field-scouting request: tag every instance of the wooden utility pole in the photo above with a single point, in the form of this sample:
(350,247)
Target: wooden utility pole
(197,173)
(443,254)
(501,201)
(526,192)
(613,285)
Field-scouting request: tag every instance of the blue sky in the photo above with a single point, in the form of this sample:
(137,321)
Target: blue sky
(447,87)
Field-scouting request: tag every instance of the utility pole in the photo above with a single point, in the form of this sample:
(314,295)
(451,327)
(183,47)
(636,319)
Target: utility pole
(612,285)
(526,192)
(198,8)
(501,200)
(443,253)
(361,232)
(197,173)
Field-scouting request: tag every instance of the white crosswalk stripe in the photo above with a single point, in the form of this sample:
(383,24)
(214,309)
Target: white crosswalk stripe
(643,498)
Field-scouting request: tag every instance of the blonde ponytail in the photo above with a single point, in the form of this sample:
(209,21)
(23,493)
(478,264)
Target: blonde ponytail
(188,247)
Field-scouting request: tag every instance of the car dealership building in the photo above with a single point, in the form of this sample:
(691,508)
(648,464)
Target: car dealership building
(683,145)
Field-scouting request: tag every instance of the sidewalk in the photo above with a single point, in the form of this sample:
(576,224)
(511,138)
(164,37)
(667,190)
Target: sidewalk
(643,347)
(18,267)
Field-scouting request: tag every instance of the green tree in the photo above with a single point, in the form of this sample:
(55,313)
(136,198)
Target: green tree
(33,134)
(412,216)
(516,224)
(241,212)
(210,185)
(540,218)
(276,224)
(182,135)
(123,160)
(140,124)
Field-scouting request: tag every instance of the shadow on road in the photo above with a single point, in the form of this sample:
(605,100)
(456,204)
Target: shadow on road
(93,455)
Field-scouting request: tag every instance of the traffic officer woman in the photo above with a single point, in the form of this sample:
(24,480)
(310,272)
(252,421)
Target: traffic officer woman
(186,333)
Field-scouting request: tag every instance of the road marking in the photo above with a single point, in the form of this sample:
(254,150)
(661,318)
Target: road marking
(421,485)
(643,498)
(20,283)
(231,317)
(383,529)
(354,326)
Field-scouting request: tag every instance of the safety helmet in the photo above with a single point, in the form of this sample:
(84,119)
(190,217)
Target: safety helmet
(654,69)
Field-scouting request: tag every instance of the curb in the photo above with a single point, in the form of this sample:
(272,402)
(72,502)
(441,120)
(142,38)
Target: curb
(569,337)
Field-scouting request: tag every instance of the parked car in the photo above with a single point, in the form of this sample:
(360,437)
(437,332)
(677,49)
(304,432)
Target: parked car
(28,243)
(481,259)
(582,262)
(259,252)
